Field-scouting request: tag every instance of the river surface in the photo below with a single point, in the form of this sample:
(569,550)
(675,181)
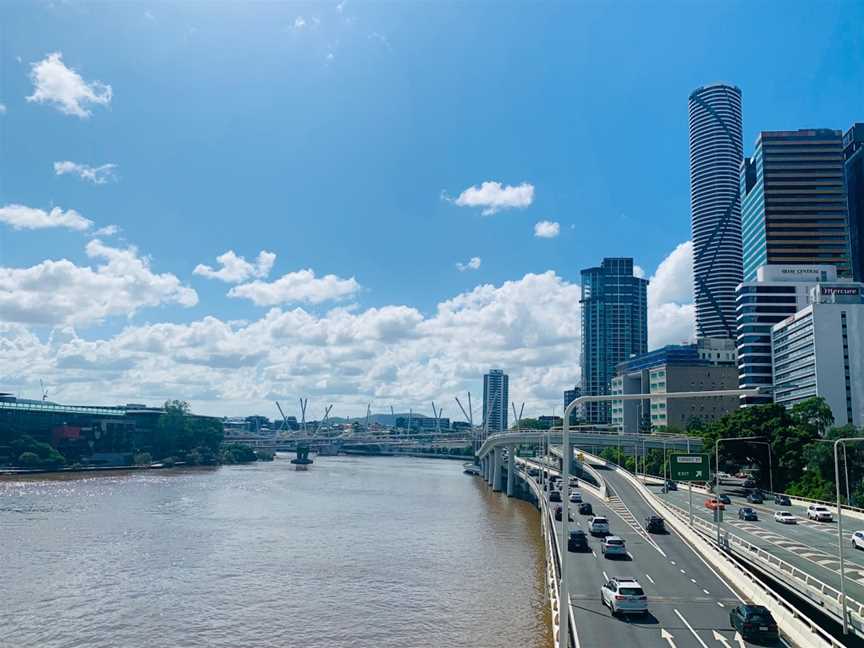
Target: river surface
(362,552)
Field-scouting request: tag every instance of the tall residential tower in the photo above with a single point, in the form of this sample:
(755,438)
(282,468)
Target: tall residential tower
(716,151)
(496,398)
(614,327)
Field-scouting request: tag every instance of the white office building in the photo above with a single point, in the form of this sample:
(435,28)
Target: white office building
(778,292)
(819,351)
(496,394)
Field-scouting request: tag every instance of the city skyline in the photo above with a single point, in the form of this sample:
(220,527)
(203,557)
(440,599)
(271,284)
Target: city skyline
(115,286)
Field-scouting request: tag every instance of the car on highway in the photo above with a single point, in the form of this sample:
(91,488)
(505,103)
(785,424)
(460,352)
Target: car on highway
(749,483)
(555,496)
(598,525)
(624,596)
(725,499)
(713,503)
(782,500)
(755,498)
(858,540)
(576,497)
(785,517)
(578,541)
(747,513)
(754,623)
(534,472)
(613,546)
(574,483)
(671,485)
(819,513)
(655,524)
(559,514)
(585,509)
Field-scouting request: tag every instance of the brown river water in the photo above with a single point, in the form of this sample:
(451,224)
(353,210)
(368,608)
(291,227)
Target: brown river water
(359,551)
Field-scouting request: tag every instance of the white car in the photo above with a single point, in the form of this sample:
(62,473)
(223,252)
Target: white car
(819,513)
(613,546)
(624,596)
(858,540)
(576,497)
(598,525)
(785,517)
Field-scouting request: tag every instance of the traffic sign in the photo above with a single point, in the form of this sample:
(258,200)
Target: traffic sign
(689,467)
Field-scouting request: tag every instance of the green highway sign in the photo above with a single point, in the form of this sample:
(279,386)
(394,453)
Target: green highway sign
(688,467)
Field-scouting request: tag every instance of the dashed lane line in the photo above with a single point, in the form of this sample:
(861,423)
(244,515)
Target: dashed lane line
(690,628)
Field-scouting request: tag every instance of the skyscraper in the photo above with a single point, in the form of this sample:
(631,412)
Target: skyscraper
(794,201)
(496,397)
(716,151)
(853,152)
(614,327)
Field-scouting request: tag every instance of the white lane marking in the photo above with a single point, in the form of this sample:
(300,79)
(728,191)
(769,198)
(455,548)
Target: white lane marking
(648,576)
(605,577)
(693,580)
(593,553)
(707,592)
(721,639)
(629,555)
(690,628)
(672,562)
(665,634)
(720,603)
(683,572)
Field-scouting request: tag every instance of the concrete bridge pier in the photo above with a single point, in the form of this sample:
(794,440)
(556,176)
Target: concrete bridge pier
(496,469)
(487,473)
(511,470)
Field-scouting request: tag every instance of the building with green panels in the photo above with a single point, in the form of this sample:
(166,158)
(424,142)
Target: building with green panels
(793,202)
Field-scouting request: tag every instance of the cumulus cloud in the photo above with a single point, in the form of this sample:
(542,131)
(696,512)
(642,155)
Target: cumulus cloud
(473,264)
(60,292)
(494,197)
(299,22)
(671,313)
(388,355)
(546,229)
(99,175)
(296,287)
(22,217)
(108,230)
(236,269)
(2,109)
(63,87)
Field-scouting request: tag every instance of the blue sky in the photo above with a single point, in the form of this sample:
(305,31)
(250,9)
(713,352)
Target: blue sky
(339,137)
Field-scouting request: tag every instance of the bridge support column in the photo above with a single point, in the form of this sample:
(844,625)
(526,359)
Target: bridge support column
(487,469)
(511,470)
(496,470)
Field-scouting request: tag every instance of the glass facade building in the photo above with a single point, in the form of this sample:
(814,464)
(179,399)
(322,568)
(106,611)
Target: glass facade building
(716,151)
(853,152)
(794,201)
(614,327)
(496,397)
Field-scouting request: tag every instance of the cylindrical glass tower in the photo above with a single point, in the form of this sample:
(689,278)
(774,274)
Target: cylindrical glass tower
(716,152)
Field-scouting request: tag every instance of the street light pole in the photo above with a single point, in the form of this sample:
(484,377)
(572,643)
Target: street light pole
(840,526)
(717,512)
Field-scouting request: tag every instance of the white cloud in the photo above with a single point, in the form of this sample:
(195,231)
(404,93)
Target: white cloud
(341,6)
(97,175)
(56,84)
(108,230)
(294,287)
(546,229)
(149,16)
(388,355)
(639,271)
(60,292)
(299,22)
(494,197)
(2,109)
(236,269)
(23,217)
(671,313)
(473,264)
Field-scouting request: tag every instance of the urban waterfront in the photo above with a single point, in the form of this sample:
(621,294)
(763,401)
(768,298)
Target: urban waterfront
(371,551)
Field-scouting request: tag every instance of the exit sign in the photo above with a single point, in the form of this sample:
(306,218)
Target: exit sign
(689,467)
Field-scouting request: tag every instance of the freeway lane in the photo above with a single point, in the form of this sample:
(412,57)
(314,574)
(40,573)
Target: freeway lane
(685,598)
(808,545)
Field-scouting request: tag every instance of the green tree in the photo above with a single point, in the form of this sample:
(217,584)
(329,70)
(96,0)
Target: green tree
(46,455)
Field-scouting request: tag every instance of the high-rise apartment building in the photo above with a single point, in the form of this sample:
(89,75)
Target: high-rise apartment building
(793,196)
(716,151)
(569,396)
(853,152)
(777,293)
(819,351)
(496,398)
(614,327)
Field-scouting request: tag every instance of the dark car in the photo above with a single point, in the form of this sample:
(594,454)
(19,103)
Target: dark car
(725,499)
(755,497)
(749,483)
(585,509)
(782,500)
(655,524)
(754,622)
(559,514)
(554,496)
(578,541)
(671,485)
(747,513)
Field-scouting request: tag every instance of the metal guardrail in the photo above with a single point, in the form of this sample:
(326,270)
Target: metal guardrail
(708,531)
